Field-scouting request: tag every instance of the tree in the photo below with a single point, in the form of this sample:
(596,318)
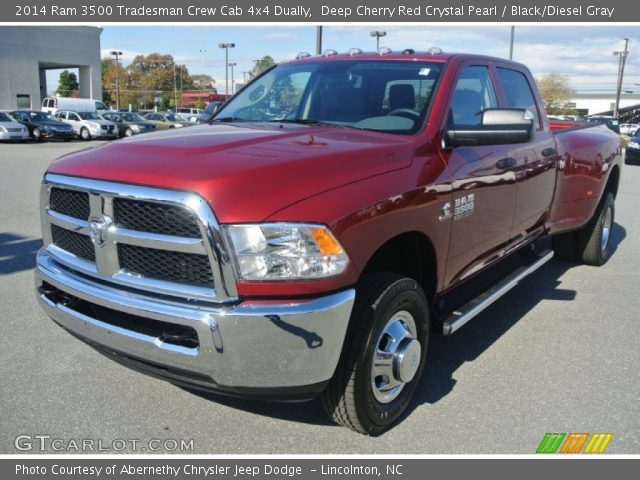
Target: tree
(556,92)
(146,77)
(261,65)
(67,84)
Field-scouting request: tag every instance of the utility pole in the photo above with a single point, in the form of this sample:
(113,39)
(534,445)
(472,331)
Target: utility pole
(117,54)
(622,58)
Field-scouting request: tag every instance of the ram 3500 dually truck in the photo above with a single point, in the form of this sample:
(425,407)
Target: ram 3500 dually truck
(307,240)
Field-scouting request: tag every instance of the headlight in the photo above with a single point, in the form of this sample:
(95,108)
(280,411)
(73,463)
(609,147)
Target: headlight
(94,126)
(286,251)
(2,129)
(634,145)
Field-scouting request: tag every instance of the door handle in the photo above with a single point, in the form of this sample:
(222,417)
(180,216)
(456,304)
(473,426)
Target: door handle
(549,152)
(506,163)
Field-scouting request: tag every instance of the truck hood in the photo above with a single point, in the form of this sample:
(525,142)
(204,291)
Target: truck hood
(246,172)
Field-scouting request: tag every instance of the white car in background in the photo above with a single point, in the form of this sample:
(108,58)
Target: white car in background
(12,130)
(629,128)
(88,125)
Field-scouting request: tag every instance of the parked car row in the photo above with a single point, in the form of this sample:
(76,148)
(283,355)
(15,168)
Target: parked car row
(86,125)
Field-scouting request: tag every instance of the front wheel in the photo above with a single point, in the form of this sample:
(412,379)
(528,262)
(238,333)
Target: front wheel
(37,134)
(383,356)
(128,132)
(84,134)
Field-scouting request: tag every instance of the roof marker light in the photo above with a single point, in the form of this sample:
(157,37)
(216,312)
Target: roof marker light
(384,51)
(354,51)
(434,51)
(302,55)
(408,51)
(330,52)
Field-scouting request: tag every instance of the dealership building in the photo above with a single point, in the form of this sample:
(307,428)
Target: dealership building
(26,53)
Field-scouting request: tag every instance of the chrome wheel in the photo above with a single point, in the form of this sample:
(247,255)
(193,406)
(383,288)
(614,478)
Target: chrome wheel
(396,357)
(606,229)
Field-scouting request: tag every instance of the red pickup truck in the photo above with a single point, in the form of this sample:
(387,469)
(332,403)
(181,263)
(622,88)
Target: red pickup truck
(307,240)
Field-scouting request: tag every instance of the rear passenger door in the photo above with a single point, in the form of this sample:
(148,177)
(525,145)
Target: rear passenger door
(483,199)
(535,169)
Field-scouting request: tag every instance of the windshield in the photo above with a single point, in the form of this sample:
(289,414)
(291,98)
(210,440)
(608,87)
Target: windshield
(381,95)
(212,107)
(89,116)
(4,117)
(132,117)
(42,116)
(174,117)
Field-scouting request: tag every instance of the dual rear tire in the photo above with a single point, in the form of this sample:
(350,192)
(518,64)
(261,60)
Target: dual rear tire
(591,244)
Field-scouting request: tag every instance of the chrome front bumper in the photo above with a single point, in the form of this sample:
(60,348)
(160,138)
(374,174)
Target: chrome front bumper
(251,347)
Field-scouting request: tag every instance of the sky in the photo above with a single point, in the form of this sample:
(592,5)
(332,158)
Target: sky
(583,53)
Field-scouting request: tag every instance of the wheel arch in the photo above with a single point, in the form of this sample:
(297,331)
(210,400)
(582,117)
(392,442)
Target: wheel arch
(613,181)
(411,254)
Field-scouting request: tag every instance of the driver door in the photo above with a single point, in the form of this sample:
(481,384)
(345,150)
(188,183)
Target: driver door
(482,179)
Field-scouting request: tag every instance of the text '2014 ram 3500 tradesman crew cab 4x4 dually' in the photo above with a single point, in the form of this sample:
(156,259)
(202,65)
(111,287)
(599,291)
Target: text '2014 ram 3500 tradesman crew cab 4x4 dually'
(307,240)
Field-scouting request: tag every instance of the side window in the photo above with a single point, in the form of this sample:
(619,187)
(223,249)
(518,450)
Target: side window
(474,92)
(518,92)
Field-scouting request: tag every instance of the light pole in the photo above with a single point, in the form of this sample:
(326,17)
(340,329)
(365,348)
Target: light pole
(117,54)
(318,39)
(232,64)
(378,34)
(244,78)
(622,58)
(226,47)
(175,89)
(513,34)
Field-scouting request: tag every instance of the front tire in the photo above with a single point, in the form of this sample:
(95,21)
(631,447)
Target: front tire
(37,134)
(383,356)
(128,132)
(85,135)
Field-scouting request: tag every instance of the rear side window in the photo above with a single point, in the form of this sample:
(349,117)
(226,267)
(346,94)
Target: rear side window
(474,93)
(518,92)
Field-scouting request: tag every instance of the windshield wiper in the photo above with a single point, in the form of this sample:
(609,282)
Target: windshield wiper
(227,120)
(307,121)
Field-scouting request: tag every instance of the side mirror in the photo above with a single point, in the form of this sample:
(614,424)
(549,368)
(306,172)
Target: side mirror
(499,126)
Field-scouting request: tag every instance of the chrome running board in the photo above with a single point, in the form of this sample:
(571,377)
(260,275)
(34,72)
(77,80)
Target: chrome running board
(465,313)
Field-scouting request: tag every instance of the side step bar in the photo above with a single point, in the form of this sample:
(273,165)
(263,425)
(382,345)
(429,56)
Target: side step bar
(465,313)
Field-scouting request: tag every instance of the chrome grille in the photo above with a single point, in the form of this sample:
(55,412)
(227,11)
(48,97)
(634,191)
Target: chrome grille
(178,267)
(75,243)
(70,202)
(162,241)
(155,218)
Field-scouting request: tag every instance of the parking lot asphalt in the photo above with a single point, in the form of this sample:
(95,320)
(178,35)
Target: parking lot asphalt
(559,353)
